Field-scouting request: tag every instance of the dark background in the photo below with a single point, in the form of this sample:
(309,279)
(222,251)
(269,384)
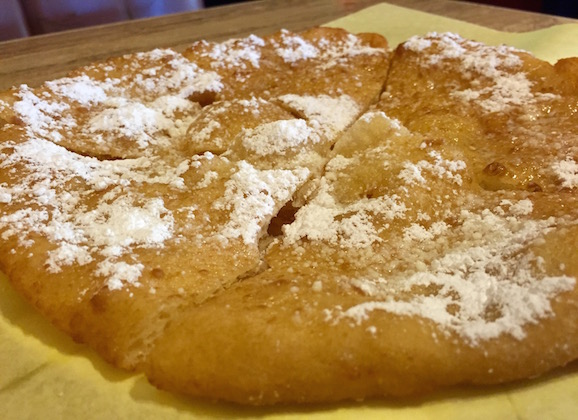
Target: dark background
(19,18)
(568,8)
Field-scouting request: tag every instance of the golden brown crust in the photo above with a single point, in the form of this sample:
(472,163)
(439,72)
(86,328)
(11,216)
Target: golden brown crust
(258,221)
(503,114)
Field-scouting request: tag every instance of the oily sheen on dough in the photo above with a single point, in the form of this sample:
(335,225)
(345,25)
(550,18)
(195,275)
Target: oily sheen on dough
(302,217)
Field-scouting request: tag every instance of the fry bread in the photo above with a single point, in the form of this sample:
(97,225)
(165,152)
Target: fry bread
(302,217)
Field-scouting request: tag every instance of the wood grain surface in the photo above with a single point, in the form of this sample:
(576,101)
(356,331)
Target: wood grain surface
(36,59)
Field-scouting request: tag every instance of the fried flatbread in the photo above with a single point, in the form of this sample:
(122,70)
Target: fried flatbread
(302,217)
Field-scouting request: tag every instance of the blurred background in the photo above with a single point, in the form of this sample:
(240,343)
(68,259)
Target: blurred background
(567,8)
(20,18)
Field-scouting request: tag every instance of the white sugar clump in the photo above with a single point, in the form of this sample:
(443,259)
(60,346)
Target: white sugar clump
(206,132)
(81,89)
(567,172)
(180,77)
(519,208)
(123,223)
(5,195)
(294,48)
(417,232)
(240,53)
(132,120)
(40,114)
(120,273)
(208,178)
(412,173)
(278,137)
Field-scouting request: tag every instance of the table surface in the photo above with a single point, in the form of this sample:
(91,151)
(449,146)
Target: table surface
(36,59)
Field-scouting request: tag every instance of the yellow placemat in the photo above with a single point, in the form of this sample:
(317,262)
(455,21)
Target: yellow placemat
(399,23)
(44,375)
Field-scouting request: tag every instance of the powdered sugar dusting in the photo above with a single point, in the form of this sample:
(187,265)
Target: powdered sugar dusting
(119,274)
(240,53)
(278,136)
(338,52)
(328,114)
(476,275)
(345,225)
(209,177)
(81,89)
(252,196)
(40,115)
(467,268)
(294,48)
(141,124)
(503,83)
(179,77)
(122,219)
(419,233)
(484,285)
(145,105)
(442,168)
